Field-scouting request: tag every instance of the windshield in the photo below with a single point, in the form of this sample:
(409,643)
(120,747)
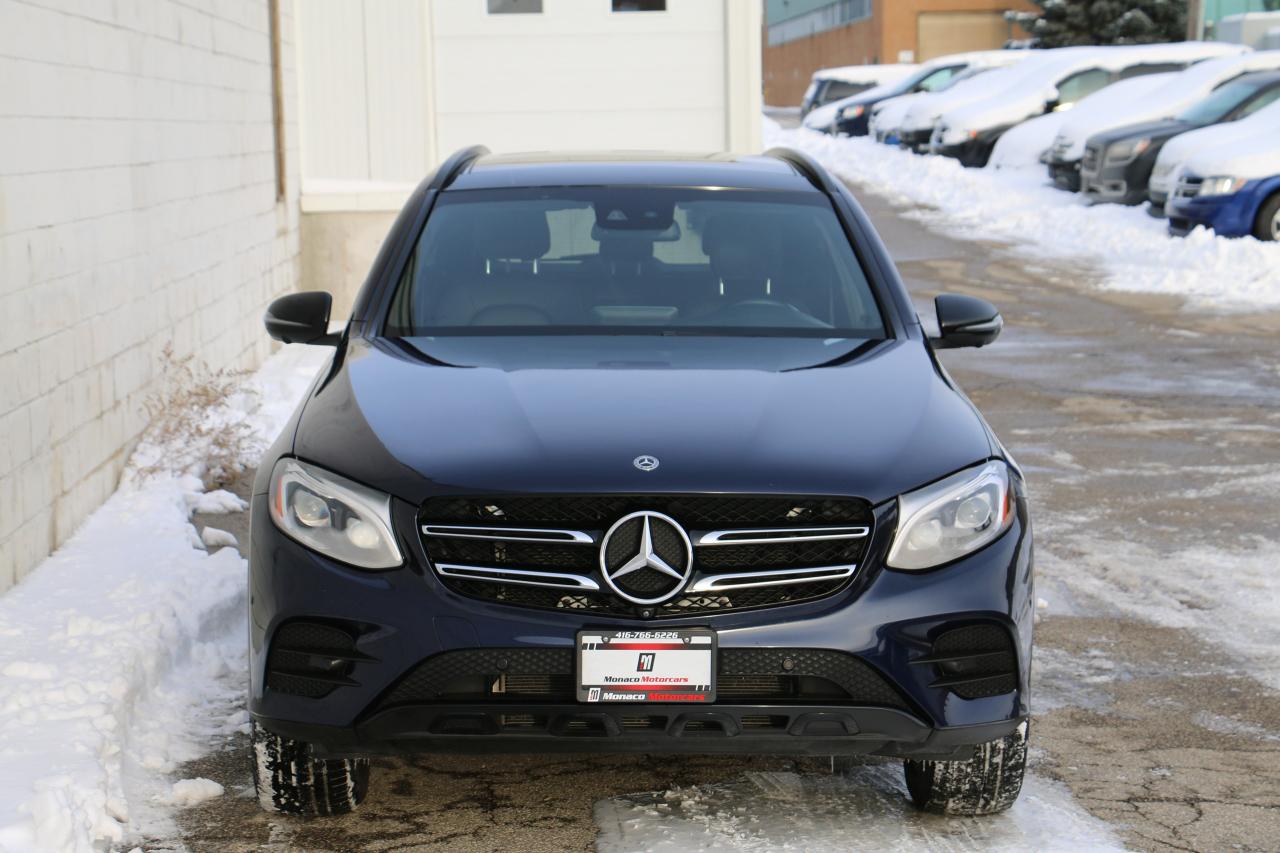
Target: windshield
(634,260)
(1223,100)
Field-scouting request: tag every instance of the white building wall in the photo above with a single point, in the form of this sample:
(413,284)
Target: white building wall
(580,76)
(138,208)
(391,87)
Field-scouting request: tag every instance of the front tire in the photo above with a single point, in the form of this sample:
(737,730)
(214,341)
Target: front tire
(291,780)
(987,783)
(1267,225)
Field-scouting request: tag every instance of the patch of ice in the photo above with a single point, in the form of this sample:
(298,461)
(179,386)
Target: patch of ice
(865,810)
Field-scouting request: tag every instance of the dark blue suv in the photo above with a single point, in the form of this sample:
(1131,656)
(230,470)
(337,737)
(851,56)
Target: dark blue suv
(628,453)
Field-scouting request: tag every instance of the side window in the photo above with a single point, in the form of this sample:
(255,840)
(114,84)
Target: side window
(1259,101)
(1080,85)
(938,79)
(838,89)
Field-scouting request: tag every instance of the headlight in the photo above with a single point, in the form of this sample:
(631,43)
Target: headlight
(952,517)
(1123,152)
(1221,185)
(332,515)
(853,112)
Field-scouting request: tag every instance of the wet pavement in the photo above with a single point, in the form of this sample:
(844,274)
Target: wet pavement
(1151,439)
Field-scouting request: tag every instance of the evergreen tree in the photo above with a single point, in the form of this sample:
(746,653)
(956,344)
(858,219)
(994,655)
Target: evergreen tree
(1061,23)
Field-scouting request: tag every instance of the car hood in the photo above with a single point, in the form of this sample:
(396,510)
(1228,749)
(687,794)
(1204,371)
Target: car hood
(1156,130)
(879,421)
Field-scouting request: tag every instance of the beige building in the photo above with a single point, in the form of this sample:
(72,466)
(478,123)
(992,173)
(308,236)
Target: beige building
(802,36)
(148,198)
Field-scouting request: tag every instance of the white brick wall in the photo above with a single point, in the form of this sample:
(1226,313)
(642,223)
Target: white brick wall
(137,209)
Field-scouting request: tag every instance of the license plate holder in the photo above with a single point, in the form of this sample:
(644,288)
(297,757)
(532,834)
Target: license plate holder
(677,665)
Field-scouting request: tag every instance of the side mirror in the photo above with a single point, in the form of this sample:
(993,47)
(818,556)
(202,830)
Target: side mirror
(301,318)
(965,321)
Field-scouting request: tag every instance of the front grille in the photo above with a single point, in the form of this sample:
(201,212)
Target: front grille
(743,677)
(1092,157)
(974,661)
(544,551)
(1188,186)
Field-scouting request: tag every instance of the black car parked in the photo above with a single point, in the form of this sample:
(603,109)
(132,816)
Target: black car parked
(638,454)
(1117,164)
(854,117)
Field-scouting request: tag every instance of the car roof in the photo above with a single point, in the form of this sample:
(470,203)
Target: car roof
(633,168)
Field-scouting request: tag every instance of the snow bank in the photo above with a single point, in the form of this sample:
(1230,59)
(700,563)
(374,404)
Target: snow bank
(1132,249)
(108,645)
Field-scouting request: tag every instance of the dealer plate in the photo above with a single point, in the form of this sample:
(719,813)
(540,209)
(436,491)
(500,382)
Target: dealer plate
(647,666)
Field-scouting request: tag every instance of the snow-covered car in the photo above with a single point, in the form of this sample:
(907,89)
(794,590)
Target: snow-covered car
(851,116)
(888,116)
(1182,91)
(1117,163)
(1236,191)
(834,84)
(1164,175)
(1028,144)
(970,132)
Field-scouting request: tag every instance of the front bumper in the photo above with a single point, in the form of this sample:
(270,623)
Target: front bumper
(1228,215)
(886,619)
(974,152)
(915,140)
(1124,183)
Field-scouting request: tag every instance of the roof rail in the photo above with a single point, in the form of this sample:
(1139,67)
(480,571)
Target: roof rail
(805,165)
(453,167)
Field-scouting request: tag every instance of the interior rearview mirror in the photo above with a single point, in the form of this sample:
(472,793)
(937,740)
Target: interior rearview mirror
(301,318)
(965,321)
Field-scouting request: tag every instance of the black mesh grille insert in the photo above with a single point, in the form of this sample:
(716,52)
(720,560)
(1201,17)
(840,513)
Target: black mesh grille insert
(595,514)
(693,511)
(546,675)
(975,661)
(302,658)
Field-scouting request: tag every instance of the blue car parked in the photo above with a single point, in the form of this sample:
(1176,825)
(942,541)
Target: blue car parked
(1232,206)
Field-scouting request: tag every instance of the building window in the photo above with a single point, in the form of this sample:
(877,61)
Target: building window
(639,5)
(515,7)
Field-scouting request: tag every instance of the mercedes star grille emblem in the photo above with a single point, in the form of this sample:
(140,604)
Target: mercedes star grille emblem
(646,557)
(645,463)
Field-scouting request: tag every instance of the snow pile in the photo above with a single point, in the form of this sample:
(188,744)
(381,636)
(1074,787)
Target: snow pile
(1130,247)
(190,792)
(866,810)
(109,645)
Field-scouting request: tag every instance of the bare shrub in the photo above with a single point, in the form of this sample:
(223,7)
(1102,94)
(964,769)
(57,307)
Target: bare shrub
(194,429)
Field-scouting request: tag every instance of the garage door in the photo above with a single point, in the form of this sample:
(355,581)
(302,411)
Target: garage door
(940,33)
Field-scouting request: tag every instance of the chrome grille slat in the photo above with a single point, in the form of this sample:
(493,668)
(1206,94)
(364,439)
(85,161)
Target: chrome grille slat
(779,535)
(772,577)
(510,534)
(524,577)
